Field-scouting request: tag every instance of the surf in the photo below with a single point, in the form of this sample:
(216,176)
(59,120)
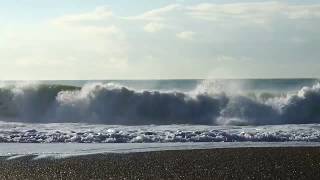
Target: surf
(114,103)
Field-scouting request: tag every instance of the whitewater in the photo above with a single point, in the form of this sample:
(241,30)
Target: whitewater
(160,114)
(209,103)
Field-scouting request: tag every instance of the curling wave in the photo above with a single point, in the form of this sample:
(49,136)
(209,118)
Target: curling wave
(114,104)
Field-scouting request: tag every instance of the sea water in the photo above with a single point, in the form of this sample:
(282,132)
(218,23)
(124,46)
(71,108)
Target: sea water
(160,112)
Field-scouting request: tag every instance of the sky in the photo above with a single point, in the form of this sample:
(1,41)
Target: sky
(159,39)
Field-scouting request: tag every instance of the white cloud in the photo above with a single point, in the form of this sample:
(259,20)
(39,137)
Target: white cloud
(224,59)
(99,14)
(76,47)
(109,30)
(159,14)
(103,44)
(186,35)
(153,27)
(307,12)
(259,12)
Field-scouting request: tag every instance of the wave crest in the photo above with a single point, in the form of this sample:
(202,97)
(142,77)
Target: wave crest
(115,104)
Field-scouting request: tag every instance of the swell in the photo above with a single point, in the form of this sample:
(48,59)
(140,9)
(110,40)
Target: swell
(114,104)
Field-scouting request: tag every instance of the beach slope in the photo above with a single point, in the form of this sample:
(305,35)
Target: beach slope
(229,163)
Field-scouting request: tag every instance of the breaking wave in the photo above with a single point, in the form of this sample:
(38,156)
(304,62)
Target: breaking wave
(86,133)
(114,104)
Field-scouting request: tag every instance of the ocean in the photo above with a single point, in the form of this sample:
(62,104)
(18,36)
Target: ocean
(160,112)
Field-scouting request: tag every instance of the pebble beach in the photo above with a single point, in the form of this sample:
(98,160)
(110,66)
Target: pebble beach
(228,163)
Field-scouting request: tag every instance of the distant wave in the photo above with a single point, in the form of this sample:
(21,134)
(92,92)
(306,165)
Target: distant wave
(114,104)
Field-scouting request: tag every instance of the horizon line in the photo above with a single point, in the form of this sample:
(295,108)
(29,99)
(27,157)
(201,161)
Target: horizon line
(164,79)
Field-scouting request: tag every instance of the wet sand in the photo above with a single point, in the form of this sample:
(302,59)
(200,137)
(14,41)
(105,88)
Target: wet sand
(233,163)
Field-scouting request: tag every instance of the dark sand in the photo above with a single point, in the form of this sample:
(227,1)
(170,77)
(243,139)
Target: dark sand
(237,163)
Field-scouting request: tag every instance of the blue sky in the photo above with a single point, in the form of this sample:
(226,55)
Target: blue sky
(96,39)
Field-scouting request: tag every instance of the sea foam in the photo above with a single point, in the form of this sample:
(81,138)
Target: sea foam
(85,133)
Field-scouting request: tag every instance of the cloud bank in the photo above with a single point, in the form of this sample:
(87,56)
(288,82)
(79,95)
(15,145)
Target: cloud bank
(279,38)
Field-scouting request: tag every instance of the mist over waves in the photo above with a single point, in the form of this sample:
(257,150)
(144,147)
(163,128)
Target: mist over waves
(109,103)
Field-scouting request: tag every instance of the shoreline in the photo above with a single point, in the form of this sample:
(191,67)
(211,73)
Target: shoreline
(221,163)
